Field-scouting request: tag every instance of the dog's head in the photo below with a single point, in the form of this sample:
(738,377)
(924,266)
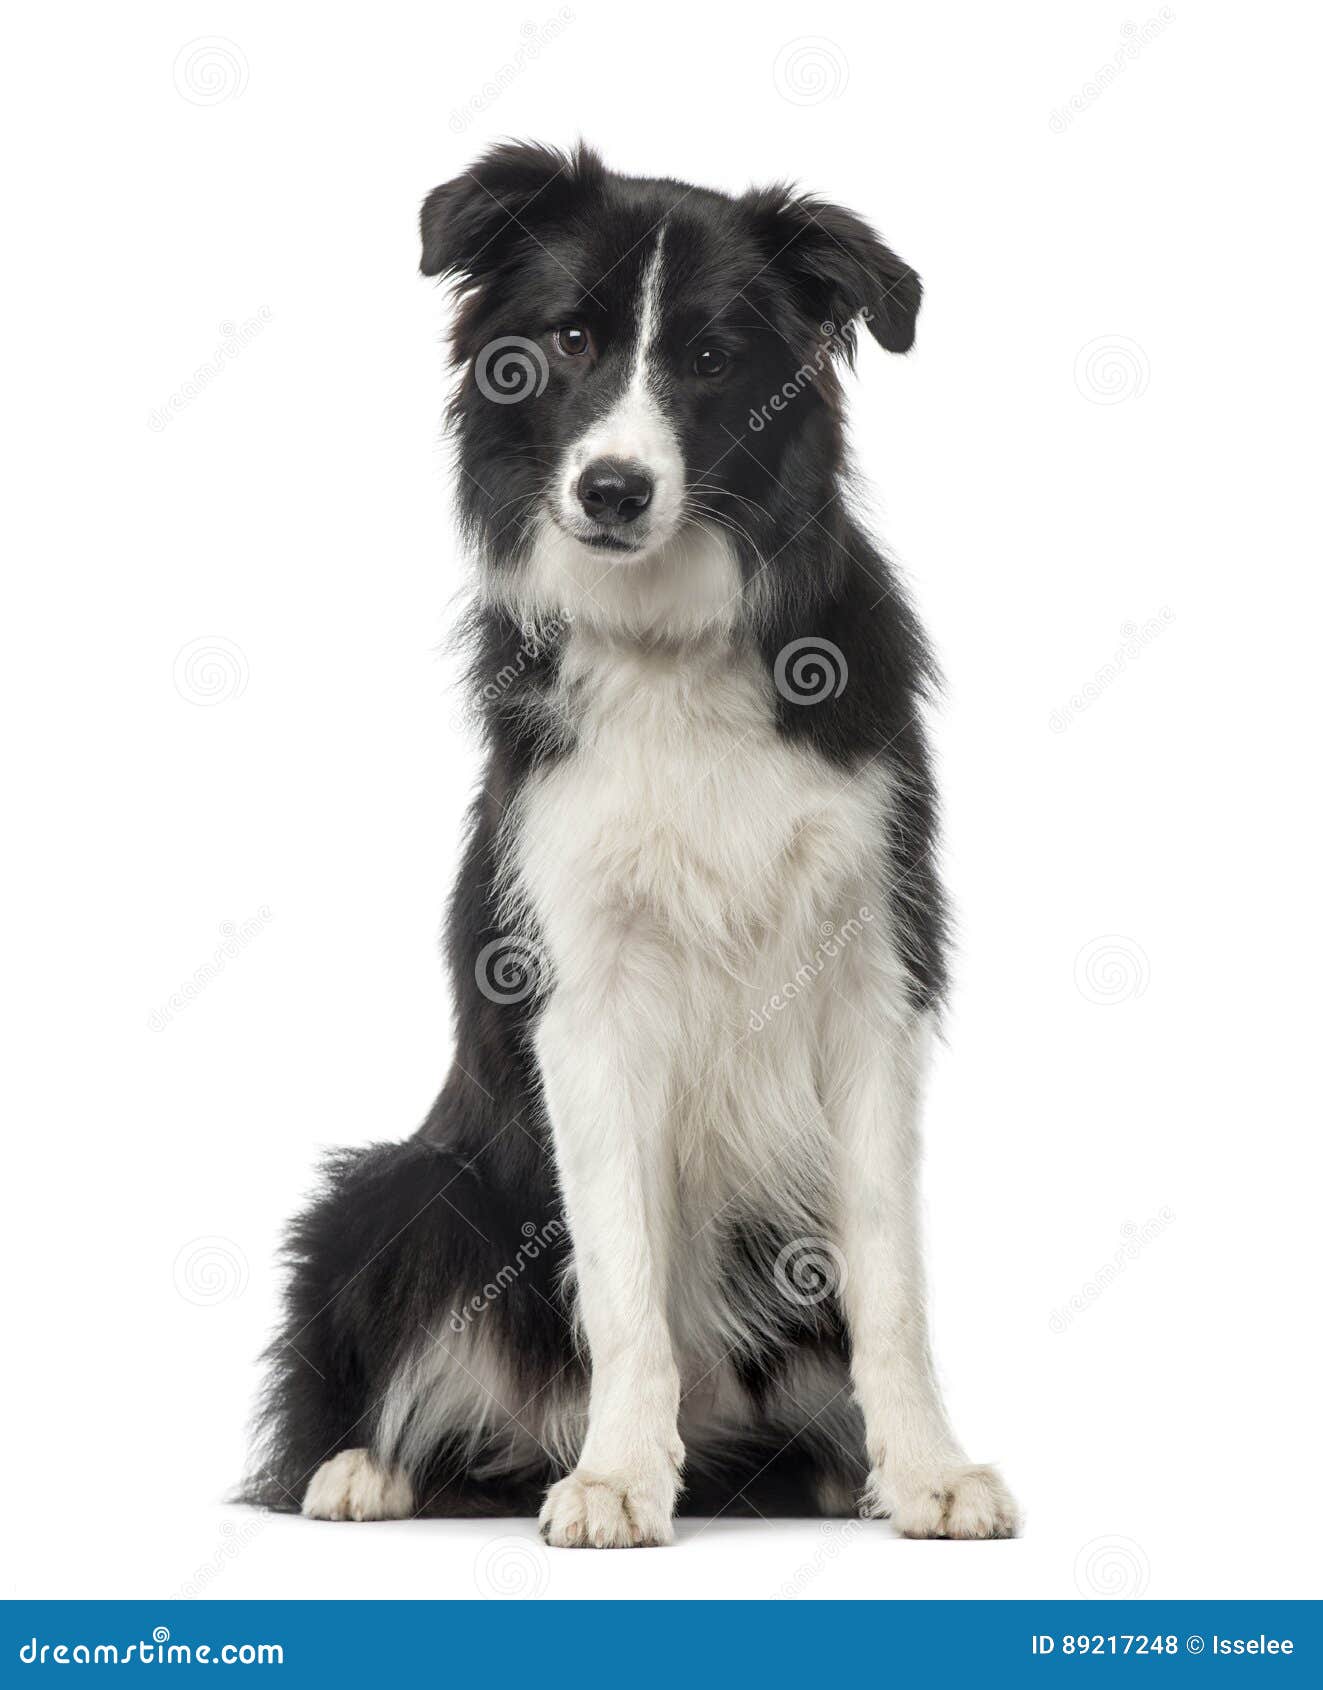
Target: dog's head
(644,358)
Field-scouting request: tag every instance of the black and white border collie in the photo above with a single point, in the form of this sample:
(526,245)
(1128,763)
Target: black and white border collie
(656,1242)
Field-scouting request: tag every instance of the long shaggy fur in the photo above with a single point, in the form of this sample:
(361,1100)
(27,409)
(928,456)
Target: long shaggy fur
(697,930)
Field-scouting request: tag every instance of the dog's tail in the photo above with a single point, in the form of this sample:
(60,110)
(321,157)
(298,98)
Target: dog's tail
(397,1236)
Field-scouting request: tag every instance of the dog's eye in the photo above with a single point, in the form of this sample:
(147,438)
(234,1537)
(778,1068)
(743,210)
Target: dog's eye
(711,361)
(571,341)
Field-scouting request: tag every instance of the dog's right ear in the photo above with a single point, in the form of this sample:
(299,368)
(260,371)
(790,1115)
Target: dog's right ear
(470,225)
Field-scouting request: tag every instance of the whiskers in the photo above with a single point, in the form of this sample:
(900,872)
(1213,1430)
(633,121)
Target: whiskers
(699,505)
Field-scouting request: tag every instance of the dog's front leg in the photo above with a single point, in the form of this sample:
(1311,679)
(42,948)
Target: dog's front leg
(921,1479)
(604,1072)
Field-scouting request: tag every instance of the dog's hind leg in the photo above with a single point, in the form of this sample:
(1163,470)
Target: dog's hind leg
(423,1310)
(355,1486)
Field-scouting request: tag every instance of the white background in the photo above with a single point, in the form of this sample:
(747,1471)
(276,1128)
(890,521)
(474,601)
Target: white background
(1110,422)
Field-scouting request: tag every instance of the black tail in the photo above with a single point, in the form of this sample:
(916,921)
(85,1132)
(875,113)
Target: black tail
(398,1236)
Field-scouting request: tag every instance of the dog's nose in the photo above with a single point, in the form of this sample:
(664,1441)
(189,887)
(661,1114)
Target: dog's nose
(613,491)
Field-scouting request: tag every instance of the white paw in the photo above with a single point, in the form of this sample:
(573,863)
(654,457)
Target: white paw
(351,1486)
(608,1511)
(966,1502)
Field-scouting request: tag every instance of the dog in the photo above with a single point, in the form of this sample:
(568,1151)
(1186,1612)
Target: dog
(655,1246)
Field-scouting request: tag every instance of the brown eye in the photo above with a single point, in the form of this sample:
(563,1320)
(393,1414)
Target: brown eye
(710,362)
(571,341)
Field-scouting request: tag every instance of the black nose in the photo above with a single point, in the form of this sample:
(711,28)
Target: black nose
(613,491)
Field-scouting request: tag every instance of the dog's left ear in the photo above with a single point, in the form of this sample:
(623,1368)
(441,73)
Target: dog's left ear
(839,268)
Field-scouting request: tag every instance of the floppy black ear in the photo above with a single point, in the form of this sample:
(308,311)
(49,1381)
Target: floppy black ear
(469,225)
(840,268)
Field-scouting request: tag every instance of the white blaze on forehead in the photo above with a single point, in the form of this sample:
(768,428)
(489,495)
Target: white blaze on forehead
(649,312)
(636,428)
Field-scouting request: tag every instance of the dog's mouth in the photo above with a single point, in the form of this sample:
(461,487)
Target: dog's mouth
(607,543)
(602,540)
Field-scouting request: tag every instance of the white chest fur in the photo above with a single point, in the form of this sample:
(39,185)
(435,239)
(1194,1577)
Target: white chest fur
(686,866)
(681,806)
